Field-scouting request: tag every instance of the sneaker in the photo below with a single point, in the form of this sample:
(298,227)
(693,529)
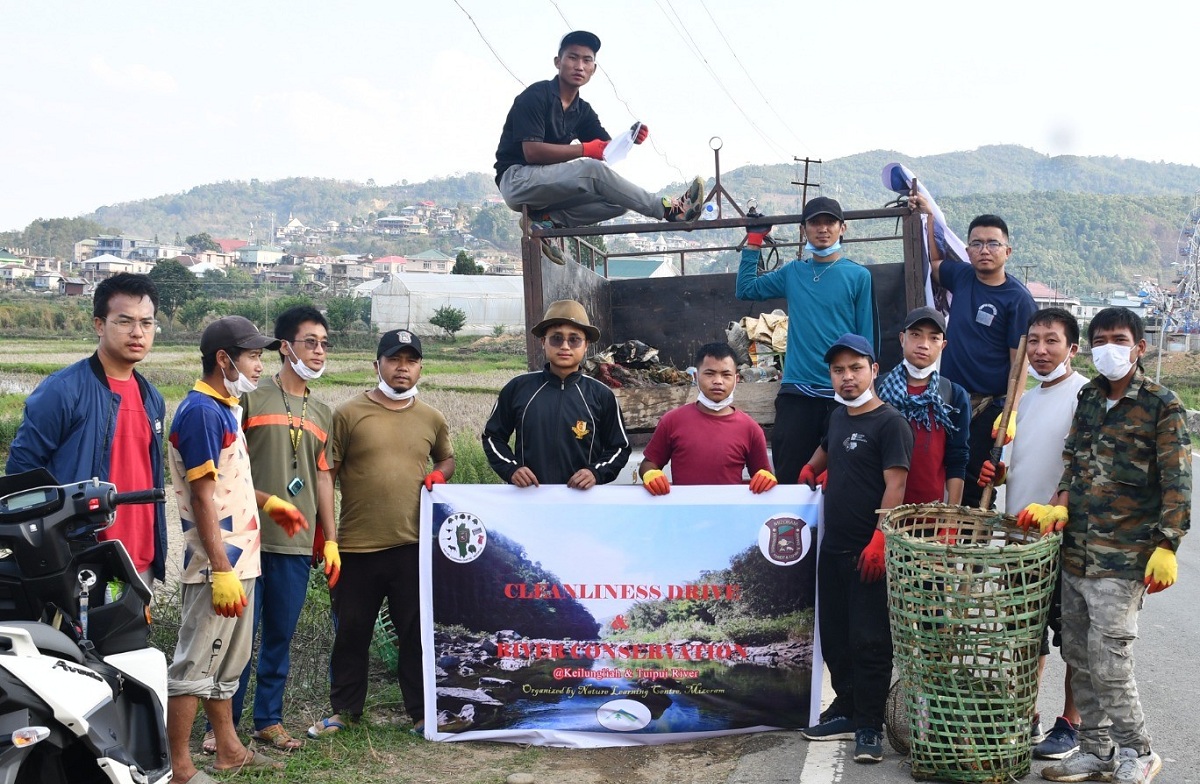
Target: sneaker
(1036,733)
(868,745)
(1081,766)
(830,728)
(1062,740)
(688,206)
(553,252)
(1132,769)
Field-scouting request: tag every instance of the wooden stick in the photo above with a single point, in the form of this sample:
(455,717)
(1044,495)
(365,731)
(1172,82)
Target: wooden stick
(1016,376)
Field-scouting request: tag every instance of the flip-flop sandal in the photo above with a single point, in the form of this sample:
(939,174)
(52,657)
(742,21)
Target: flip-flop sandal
(257,762)
(325,727)
(277,737)
(209,744)
(200,777)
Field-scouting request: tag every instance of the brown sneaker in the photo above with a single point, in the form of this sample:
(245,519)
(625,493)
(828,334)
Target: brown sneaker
(553,252)
(687,207)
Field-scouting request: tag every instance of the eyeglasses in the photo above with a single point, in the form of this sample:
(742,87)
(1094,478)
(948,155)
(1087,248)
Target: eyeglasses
(126,325)
(992,245)
(312,343)
(574,341)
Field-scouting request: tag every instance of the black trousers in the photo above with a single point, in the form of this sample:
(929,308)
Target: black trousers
(980,443)
(800,424)
(856,639)
(367,579)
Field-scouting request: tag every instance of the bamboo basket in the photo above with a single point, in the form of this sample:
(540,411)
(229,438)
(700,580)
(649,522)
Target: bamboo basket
(968,597)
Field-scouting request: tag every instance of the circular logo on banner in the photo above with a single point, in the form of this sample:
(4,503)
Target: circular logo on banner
(784,539)
(623,715)
(462,537)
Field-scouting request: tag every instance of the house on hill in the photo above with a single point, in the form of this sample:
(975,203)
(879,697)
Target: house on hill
(430,261)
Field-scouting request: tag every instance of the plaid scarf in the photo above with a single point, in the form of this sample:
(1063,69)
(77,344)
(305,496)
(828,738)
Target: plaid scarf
(915,408)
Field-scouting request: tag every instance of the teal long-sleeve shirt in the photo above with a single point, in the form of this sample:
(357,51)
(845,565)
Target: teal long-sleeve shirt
(824,301)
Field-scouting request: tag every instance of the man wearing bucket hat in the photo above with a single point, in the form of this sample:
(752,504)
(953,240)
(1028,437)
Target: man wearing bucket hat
(867,451)
(382,443)
(218,509)
(568,424)
(551,156)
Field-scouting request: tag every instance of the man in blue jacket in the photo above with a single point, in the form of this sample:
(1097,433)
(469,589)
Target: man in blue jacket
(101,418)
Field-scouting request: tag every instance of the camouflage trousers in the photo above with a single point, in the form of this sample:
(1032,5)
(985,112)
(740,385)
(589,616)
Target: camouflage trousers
(1099,625)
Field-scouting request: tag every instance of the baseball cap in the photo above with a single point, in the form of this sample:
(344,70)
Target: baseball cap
(856,343)
(822,205)
(918,315)
(392,342)
(580,38)
(234,332)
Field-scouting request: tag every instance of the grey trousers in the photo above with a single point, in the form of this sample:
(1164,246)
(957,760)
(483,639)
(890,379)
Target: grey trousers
(582,192)
(1099,625)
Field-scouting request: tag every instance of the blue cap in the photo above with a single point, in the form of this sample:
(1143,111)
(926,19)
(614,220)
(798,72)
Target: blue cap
(856,343)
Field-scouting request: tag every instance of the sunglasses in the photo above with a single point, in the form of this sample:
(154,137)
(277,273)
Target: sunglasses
(574,341)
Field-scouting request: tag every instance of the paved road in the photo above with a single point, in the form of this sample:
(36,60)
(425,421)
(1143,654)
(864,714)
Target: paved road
(1168,669)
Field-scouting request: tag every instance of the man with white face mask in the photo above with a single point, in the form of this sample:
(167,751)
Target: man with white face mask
(218,509)
(383,443)
(1043,421)
(287,437)
(937,409)
(867,450)
(708,442)
(1123,505)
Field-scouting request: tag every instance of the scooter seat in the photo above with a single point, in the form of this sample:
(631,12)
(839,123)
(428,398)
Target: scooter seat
(48,640)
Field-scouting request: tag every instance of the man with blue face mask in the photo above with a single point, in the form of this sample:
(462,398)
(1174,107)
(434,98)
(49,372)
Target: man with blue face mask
(1123,505)
(287,437)
(827,296)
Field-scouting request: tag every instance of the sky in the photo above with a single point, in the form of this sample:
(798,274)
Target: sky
(132,99)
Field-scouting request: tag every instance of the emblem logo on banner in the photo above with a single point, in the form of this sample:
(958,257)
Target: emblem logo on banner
(462,537)
(784,539)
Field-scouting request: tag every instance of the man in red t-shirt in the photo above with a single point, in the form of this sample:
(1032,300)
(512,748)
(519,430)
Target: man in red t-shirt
(708,442)
(937,409)
(100,418)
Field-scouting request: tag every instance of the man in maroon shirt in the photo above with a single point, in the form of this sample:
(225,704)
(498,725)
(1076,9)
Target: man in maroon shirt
(708,442)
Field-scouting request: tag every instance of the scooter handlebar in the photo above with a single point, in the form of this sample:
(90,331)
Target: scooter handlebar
(152,496)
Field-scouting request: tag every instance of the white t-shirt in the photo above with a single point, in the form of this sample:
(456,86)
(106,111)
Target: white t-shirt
(1043,421)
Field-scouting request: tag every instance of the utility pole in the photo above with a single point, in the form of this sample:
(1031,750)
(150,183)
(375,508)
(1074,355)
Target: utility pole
(804,183)
(1026,268)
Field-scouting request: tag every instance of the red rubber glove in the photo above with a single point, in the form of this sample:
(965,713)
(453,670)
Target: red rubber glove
(434,478)
(808,476)
(870,562)
(643,133)
(822,478)
(288,517)
(655,482)
(762,481)
(992,474)
(594,149)
(757,235)
(318,551)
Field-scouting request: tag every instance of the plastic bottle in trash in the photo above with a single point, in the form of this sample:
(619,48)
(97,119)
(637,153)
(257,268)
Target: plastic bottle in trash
(708,211)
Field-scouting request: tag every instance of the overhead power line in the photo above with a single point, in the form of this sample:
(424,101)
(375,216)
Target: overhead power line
(489,44)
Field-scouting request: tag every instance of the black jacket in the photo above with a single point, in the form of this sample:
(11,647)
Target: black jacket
(562,425)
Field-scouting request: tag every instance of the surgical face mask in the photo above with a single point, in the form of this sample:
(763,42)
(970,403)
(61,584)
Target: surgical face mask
(240,385)
(1112,360)
(303,370)
(821,253)
(392,394)
(1054,375)
(862,399)
(713,405)
(917,372)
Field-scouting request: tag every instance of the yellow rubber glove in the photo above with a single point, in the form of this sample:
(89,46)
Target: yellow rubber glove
(228,597)
(1162,570)
(1031,515)
(333,562)
(762,481)
(655,482)
(1010,432)
(289,518)
(1054,519)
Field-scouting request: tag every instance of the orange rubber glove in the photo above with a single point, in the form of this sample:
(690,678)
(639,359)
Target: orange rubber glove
(333,562)
(870,561)
(594,149)
(808,476)
(642,134)
(1010,432)
(434,478)
(655,482)
(228,598)
(762,481)
(1162,570)
(1031,516)
(285,514)
(992,473)
(822,478)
